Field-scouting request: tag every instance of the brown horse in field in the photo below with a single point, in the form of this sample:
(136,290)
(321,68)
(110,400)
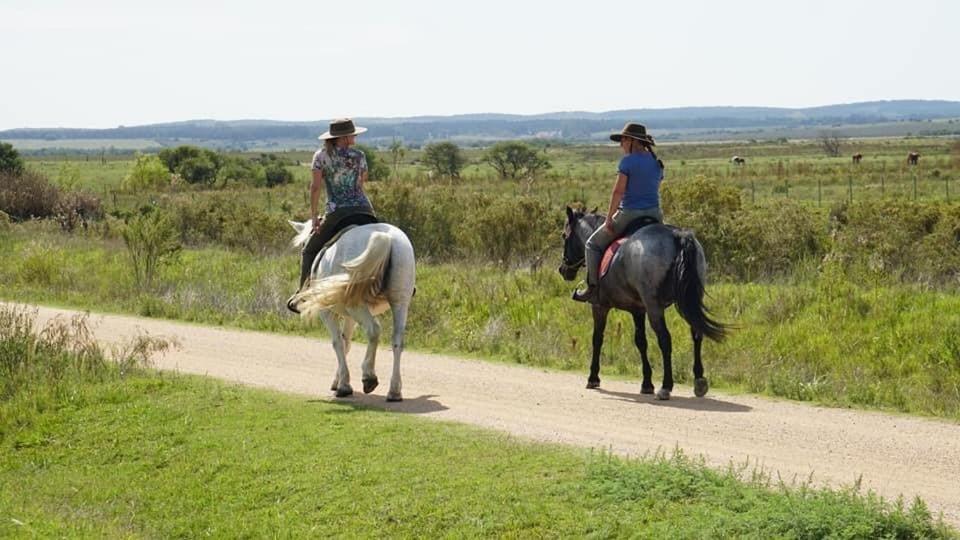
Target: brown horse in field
(913,158)
(857,157)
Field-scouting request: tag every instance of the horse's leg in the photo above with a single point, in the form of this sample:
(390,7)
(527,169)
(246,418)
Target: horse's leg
(640,339)
(399,329)
(659,325)
(342,379)
(347,333)
(599,325)
(700,384)
(372,328)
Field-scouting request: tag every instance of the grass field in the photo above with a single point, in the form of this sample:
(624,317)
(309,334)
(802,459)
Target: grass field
(89,450)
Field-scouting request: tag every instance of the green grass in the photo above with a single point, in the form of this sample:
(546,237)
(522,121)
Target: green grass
(141,454)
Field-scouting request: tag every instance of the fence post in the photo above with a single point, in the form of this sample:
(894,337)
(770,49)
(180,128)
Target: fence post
(819,193)
(946,181)
(914,185)
(850,187)
(753,192)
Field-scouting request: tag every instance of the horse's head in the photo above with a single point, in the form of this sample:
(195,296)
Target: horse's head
(573,245)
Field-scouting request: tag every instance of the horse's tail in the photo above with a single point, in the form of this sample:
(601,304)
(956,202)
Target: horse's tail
(361,284)
(303,232)
(689,268)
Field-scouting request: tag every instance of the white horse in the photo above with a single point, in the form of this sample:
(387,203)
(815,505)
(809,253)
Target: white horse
(368,270)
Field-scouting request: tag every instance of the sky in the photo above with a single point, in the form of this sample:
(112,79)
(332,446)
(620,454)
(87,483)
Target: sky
(104,63)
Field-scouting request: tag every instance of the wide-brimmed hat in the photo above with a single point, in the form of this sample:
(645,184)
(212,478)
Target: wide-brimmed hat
(634,131)
(341,127)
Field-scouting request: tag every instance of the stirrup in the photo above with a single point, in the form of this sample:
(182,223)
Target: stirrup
(588,295)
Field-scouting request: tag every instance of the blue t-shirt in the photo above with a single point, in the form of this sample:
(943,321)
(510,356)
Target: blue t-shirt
(644,175)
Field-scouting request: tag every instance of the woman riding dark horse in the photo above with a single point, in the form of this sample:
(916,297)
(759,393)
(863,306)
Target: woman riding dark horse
(636,194)
(655,266)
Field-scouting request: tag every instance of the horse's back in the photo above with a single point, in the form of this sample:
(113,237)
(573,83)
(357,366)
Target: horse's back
(352,244)
(643,264)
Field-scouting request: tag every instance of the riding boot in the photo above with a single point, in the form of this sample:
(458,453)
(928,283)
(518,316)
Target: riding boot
(589,294)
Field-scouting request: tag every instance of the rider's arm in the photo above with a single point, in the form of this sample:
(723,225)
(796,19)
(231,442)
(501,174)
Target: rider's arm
(618,189)
(315,187)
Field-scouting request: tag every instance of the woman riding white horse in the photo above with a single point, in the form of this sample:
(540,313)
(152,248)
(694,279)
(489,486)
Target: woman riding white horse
(367,270)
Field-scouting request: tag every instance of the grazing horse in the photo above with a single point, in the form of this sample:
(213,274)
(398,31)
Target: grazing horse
(368,270)
(913,158)
(857,157)
(737,160)
(656,266)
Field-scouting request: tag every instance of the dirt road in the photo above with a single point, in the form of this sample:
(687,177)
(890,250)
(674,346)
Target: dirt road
(893,454)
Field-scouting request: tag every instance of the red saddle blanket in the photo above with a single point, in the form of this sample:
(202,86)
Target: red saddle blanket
(609,253)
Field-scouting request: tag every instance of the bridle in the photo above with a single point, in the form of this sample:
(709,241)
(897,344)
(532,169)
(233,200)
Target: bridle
(565,264)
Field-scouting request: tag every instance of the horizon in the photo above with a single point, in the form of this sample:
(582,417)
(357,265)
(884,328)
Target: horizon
(106,63)
(401,118)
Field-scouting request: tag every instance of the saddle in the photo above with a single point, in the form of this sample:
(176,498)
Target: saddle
(614,246)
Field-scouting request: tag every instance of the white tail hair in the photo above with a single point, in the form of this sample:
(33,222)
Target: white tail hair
(361,284)
(303,232)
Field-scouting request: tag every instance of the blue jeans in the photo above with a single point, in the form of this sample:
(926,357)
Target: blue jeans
(601,238)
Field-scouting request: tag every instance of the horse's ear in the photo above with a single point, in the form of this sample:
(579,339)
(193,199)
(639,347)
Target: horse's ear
(595,208)
(569,214)
(297,226)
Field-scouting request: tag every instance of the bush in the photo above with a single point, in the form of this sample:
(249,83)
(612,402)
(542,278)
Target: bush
(28,195)
(507,231)
(237,170)
(896,240)
(151,241)
(77,209)
(226,221)
(377,169)
(148,173)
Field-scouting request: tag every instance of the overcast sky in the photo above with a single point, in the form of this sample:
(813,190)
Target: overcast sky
(102,63)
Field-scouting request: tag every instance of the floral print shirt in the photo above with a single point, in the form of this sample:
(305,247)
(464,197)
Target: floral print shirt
(341,176)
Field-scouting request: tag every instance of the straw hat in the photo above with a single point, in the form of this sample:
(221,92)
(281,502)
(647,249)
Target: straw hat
(634,131)
(341,127)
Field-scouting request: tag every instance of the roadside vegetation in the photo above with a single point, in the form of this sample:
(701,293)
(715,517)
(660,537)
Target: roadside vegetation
(94,445)
(838,300)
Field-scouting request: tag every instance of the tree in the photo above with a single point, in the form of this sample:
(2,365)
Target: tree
(830,143)
(444,158)
(397,151)
(10,160)
(514,159)
(148,173)
(196,165)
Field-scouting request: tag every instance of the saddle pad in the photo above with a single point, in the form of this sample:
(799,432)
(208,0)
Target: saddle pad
(609,253)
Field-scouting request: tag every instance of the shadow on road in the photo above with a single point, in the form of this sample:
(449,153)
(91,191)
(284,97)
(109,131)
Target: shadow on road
(680,402)
(418,405)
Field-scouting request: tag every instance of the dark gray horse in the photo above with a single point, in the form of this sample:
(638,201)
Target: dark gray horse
(656,266)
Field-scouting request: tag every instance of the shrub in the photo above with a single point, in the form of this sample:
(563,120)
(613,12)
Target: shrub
(889,239)
(377,169)
(77,209)
(148,173)
(241,171)
(507,230)
(198,170)
(151,241)
(27,195)
(227,221)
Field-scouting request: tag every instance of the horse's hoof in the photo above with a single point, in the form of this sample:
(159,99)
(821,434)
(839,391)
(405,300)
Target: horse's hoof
(370,384)
(646,389)
(663,394)
(700,387)
(593,384)
(393,398)
(344,391)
